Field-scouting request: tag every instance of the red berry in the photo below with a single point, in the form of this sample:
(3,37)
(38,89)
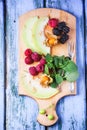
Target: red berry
(43,61)
(28,52)
(33,71)
(35,56)
(29,60)
(40,68)
(53,22)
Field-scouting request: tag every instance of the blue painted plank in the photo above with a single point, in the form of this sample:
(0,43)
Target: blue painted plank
(72,109)
(86,45)
(21,110)
(86,36)
(2,87)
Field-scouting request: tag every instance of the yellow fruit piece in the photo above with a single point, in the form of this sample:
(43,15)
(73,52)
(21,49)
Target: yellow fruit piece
(51,41)
(42,111)
(50,117)
(46,80)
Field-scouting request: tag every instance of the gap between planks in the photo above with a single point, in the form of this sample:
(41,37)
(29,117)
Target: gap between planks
(5,60)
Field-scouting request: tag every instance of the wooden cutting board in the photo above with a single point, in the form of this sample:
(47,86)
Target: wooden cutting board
(48,104)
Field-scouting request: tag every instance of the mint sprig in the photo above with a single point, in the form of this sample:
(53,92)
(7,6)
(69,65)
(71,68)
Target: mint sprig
(60,68)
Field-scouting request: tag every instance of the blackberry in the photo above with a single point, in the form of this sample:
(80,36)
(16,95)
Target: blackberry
(66,29)
(64,37)
(61,25)
(56,31)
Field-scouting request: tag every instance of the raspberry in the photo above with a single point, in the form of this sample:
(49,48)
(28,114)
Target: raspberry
(43,61)
(35,56)
(28,52)
(29,60)
(53,22)
(40,68)
(33,71)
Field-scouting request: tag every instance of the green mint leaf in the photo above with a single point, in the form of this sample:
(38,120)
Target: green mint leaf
(54,85)
(49,58)
(70,67)
(56,61)
(61,59)
(58,79)
(61,72)
(46,69)
(50,65)
(65,61)
(71,76)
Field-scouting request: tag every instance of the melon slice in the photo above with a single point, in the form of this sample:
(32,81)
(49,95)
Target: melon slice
(33,34)
(27,33)
(34,88)
(39,36)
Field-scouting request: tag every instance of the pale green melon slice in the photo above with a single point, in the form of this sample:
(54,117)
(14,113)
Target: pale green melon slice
(33,87)
(38,35)
(27,33)
(33,34)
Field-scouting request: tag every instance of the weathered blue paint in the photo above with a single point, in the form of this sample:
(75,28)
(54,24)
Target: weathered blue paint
(2,87)
(85,6)
(72,109)
(86,35)
(21,110)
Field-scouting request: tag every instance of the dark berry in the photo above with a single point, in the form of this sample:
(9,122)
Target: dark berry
(35,56)
(63,38)
(33,71)
(40,68)
(29,60)
(28,52)
(53,22)
(66,29)
(61,25)
(56,31)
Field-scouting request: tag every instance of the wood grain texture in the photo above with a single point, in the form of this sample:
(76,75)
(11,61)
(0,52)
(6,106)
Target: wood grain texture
(57,50)
(71,109)
(1,67)
(21,111)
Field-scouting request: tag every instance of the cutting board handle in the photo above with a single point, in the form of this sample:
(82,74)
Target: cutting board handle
(47,113)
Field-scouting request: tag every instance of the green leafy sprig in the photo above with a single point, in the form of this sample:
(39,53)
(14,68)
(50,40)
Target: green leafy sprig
(60,68)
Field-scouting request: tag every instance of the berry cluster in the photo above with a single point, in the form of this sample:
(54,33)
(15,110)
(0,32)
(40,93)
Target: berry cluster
(32,57)
(59,29)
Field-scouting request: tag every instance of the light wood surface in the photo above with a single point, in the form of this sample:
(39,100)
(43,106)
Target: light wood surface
(57,50)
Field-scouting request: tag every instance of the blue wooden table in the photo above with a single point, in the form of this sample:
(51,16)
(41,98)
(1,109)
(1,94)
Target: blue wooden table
(20,112)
